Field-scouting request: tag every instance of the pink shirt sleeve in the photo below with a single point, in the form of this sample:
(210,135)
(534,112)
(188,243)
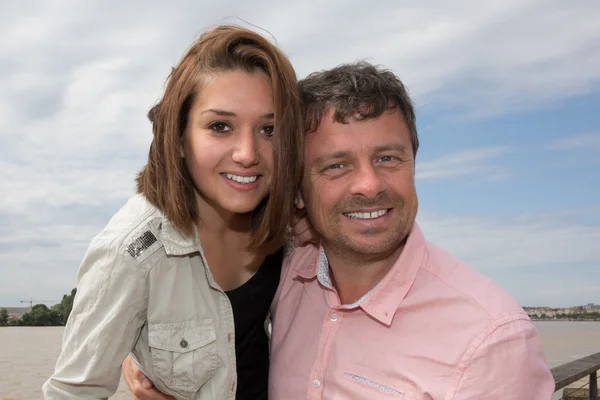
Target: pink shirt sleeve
(506,362)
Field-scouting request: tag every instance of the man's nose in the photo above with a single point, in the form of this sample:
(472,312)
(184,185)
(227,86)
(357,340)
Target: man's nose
(367,182)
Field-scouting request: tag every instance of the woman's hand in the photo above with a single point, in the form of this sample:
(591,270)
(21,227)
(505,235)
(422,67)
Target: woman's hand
(139,385)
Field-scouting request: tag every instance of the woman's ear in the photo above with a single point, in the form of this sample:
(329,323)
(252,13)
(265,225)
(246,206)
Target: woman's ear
(181,152)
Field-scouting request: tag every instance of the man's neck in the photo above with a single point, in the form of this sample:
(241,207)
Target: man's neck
(354,275)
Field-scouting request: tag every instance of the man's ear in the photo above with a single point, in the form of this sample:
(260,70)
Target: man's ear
(299,202)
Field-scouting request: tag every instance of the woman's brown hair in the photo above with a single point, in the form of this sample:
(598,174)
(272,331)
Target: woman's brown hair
(165,180)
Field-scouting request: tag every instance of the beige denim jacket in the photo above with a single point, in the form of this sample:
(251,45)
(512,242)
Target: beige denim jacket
(146,289)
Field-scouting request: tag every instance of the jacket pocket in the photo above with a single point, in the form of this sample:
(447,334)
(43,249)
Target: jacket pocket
(184,354)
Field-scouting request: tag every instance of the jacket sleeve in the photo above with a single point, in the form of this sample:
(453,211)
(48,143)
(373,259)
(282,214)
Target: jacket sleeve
(108,312)
(506,363)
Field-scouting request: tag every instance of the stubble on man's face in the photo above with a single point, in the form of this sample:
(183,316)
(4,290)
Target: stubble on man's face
(358,167)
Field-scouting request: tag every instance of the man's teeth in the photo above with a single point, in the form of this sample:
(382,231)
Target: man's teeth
(371,215)
(242,179)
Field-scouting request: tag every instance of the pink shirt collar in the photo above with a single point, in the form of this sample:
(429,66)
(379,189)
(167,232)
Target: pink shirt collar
(383,300)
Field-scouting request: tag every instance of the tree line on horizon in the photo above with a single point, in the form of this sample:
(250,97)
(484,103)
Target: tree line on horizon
(582,316)
(41,315)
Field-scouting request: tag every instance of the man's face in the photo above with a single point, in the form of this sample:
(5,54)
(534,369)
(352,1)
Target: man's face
(358,185)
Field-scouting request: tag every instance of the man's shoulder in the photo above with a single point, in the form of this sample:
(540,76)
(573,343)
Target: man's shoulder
(475,290)
(299,261)
(300,255)
(300,258)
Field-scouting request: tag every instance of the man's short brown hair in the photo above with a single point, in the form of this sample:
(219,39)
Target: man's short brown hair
(356,91)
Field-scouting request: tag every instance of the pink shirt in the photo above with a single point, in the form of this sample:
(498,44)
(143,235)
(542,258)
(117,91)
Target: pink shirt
(431,329)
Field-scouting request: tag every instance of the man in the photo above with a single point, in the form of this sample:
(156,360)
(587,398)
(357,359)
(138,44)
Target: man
(375,311)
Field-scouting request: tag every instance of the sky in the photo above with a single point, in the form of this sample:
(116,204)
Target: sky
(507,97)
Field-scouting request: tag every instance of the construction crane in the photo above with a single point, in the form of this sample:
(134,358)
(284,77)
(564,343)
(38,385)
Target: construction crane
(31,300)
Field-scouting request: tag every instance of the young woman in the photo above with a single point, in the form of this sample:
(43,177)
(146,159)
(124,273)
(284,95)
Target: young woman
(184,274)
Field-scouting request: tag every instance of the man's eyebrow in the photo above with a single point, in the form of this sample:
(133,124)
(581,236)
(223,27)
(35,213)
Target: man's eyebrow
(391,147)
(223,113)
(331,156)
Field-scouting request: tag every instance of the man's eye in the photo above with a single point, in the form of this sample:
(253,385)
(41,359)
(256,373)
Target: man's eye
(386,158)
(219,127)
(268,130)
(336,166)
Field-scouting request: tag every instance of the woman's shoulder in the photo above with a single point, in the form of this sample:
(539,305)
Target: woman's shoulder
(127,247)
(133,228)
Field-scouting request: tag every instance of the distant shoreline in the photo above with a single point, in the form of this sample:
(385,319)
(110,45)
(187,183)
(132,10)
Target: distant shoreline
(31,326)
(565,320)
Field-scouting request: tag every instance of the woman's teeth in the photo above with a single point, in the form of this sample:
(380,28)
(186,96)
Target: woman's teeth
(242,179)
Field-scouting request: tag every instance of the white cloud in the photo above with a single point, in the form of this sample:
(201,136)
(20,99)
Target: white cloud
(585,141)
(469,162)
(549,259)
(539,240)
(78,78)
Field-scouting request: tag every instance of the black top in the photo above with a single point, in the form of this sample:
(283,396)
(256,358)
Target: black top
(250,303)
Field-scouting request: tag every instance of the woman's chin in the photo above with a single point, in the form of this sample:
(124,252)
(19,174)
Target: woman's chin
(241,208)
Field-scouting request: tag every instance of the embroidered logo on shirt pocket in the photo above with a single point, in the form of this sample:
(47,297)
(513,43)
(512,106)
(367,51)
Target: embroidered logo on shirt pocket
(376,386)
(184,354)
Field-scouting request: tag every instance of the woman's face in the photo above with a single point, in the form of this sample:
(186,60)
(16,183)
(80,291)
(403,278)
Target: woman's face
(227,142)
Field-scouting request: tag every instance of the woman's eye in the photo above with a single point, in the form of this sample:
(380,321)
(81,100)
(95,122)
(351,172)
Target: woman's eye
(268,130)
(220,127)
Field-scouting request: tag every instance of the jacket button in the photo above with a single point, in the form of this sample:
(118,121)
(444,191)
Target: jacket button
(183,343)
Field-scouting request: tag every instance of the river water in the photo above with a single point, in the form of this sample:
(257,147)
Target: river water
(28,355)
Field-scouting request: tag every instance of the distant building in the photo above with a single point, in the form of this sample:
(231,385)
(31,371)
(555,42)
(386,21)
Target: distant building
(15,312)
(579,312)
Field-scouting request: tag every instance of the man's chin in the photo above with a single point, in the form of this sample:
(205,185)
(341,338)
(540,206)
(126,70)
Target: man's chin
(368,246)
